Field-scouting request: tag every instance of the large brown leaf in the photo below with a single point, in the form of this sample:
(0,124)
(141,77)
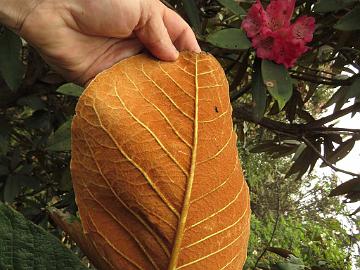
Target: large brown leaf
(155,166)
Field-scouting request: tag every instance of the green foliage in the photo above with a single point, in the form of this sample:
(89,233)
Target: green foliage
(277,81)
(61,139)
(70,89)
(11,66)
(233,7)
(354,89)
(231,38)
(332,5)
(258,91)
(350,22)
(291,216)
(192,13)
(26,245)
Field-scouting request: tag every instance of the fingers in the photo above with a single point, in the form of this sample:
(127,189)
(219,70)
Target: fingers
(180,32)
(164,33)
(155,37)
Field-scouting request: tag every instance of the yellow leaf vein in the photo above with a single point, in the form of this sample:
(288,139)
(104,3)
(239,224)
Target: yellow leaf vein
(218,232)
(219,211)
(176,83)
(162,146)
(212,253)
(141,170)
(161,112)
(157,238)
(219,186)
(218,152)
(113,247)
(167,96)
(138,242)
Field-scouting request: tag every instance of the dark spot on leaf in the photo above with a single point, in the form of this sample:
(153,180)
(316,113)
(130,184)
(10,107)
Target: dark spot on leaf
(216,109)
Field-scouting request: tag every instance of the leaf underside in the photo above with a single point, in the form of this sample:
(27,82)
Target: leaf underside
(155,166)
(24,245)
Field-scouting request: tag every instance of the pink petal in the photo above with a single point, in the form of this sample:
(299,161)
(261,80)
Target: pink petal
(264,44)
(303,28)
(254,20)
(279,13)
(287,51)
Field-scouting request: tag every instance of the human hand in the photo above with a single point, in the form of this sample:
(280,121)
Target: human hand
(80,38)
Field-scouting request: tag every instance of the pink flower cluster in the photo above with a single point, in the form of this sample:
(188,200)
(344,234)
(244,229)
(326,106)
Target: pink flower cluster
(273,36)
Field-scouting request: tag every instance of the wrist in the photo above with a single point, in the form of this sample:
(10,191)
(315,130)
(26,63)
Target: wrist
(14,12)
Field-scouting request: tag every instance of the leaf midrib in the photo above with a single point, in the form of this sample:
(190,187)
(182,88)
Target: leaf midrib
(185,210)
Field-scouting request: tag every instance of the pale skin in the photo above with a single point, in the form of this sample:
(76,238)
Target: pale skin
(80,38)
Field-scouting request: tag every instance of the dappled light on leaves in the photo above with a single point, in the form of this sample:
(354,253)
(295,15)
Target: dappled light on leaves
(155,166)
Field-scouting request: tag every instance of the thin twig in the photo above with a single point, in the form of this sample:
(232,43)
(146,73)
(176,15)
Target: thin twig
(334,129)
(315,76)
(314,80)
(317,70)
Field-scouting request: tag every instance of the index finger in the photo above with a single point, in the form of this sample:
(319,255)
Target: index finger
(180,32)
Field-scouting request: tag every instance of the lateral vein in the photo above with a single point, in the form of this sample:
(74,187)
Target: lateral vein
(141,170)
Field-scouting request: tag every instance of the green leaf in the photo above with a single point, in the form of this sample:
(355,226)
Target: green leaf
(65,183)
(61,139)
(352,185)
(233,7)
(4,170)
(265,146)
(350,22)
(4,136)
(4,143)
(331,5)
(278,82)
(289,266)
(280,251)
(342,151)
(192,12)
(70,89)
(298,151)
(38,120)
(25,245)
(354,89)
(303,162)
(231,38)
(293,263)
(11,66)
(12,188)
(258,91)
(338,98)
(33,102)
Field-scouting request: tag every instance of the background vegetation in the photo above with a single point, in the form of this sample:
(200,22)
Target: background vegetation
(295,213)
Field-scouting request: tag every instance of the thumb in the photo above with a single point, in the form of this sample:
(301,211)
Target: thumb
(155,37)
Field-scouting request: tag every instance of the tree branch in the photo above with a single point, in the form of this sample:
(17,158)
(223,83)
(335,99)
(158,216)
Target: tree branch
(314,80)
(299,131)
(315,76)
